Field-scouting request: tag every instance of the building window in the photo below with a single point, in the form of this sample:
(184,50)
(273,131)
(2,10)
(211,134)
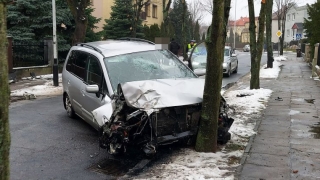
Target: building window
(154,11)
(288,32)
(147,10)
(288,18)
(293,16)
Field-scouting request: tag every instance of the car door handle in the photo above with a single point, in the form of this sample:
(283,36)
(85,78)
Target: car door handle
(83,92)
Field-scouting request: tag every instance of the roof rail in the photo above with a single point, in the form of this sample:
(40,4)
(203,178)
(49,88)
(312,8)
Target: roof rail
(90,46)
(135,39)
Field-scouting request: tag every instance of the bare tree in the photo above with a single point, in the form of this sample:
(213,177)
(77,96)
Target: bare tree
(256,47)
(270,60)
(282,8)
(137,9)
(165,9)
(207,6)
(4,96)
(195,9)
(208,130)
(77,8)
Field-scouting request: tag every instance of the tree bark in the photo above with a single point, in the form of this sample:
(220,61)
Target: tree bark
(208,129)
(283,26)
(4,97)
(269,4)
(77,8)
(256,47)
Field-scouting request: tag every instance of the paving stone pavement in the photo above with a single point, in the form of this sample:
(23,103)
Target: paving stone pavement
(287,143)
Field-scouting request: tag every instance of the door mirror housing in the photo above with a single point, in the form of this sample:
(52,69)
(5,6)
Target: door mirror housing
(92,88)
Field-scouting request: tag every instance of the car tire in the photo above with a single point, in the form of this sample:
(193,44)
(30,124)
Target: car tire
(236,70)
(68,107)
(229,72)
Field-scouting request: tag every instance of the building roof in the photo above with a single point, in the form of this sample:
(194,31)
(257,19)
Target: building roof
(240,22)
(298,25)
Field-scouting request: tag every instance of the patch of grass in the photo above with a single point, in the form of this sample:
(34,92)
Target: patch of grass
(234,147)
(233,160)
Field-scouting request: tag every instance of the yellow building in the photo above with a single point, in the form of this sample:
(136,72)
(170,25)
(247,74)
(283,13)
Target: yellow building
(152,13)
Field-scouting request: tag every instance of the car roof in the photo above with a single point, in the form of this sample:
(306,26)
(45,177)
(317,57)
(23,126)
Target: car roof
(117,47)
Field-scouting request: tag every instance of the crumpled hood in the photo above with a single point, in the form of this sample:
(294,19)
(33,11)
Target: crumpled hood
(160,93)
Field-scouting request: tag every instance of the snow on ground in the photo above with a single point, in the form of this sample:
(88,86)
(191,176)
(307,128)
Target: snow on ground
(46,89)
(272,72)
(191,165)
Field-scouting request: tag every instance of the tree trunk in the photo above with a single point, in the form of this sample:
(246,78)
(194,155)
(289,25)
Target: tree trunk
(256,47)
(184,41)
(81,20)
(4,97)
(282,36)
(268,33)
(208,130)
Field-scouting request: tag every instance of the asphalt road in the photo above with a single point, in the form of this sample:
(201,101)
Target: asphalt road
(244,67)
(46,144)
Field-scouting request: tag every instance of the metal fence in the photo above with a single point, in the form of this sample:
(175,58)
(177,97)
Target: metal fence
(26,54)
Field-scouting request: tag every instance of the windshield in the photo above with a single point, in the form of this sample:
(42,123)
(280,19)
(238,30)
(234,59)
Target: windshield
(157,64)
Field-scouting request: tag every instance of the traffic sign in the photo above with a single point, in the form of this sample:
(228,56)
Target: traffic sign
(279,33)
(298,36)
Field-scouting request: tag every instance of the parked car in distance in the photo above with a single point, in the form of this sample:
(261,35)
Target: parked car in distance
(199,60)
(134,94)
(246,48)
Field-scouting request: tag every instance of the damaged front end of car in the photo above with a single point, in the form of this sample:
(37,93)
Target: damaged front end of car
(148,122)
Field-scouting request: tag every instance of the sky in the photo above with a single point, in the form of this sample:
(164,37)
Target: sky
(242,8)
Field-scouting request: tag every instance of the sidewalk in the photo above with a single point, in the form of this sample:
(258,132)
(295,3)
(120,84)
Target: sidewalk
(286,145)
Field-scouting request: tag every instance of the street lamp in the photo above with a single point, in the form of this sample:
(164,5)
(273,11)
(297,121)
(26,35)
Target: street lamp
(55,70)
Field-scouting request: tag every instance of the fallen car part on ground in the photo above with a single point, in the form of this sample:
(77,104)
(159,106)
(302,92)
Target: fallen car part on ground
(148,122)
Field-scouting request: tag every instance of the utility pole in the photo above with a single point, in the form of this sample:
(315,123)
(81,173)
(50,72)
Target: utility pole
(234,24)
(55,70)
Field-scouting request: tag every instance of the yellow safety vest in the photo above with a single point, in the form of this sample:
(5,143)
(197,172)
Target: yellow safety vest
(189,47)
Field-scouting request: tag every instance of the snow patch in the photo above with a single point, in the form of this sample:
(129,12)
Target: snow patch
(271,72)
(293,112)
(281,58)
(46,89)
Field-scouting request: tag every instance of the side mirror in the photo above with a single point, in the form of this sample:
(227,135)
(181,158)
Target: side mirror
(92,88)
(200,72)
(233,55)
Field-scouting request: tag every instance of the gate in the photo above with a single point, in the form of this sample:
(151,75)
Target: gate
(26,54)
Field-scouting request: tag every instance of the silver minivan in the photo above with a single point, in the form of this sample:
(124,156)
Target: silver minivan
(133,94)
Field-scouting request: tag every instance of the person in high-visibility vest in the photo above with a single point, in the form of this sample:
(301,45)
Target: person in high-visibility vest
(191,45)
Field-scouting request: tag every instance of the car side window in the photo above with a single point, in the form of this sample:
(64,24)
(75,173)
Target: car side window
(80,64)
(76,63)
(94,72)
(70,61)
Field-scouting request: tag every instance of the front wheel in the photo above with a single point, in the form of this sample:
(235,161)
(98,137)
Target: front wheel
(236,70)
(229,72)
(69,107)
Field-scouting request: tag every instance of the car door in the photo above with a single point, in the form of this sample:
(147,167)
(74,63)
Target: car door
(91,101)
(76,68)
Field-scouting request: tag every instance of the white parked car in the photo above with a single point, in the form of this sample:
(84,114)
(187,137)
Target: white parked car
(199,60)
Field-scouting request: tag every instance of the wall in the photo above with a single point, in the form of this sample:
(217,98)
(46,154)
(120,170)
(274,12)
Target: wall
(103,10)
(300,13)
